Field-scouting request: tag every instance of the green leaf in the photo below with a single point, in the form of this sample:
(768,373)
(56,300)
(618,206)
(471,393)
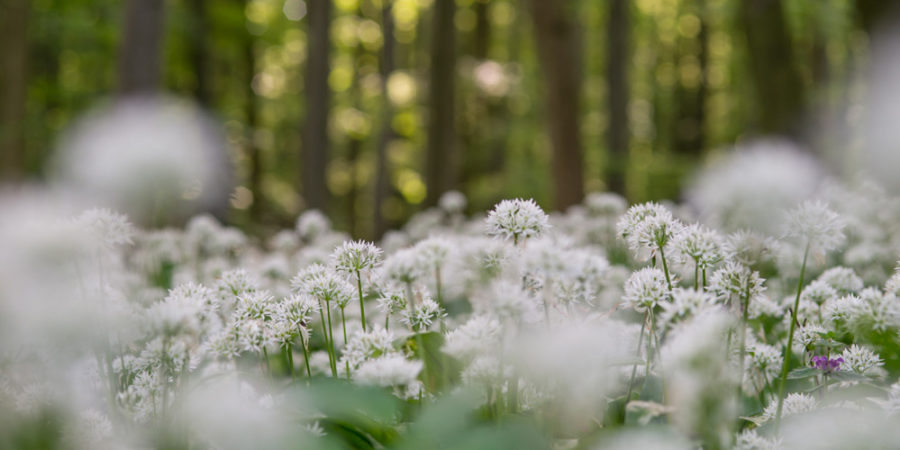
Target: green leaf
(441,370)
(803,372)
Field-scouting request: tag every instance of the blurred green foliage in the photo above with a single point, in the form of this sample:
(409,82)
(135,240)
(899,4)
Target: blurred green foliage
(504,148)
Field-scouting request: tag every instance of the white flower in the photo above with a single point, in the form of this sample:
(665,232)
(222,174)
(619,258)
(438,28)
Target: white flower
(479,335)
(421,316)
(647,228)
(312,224)
(389,370)
(861,361)
(844,280)
(700,244)
(817,225)
(606,204)
(453,202)
(517,220)
(685,303)
(645,289)
(110,228)
(736,281)
(794,403)
(356,256)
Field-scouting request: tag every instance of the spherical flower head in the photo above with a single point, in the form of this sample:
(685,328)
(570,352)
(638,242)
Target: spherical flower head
(453,202)
(647,228)
(477,336)
(818,292)
(736,280)
(389,370)
(403,266)
(698,244)
(747,247)
(433,252)
(645,289)
(517,220)
(816,225)
(861,360)
(110,229)
(794,403)
(311,224)
(298,309)
(605,204)
(685,303)
(324,284)
(423,315)
(356,256)
(366,345)
(842,279)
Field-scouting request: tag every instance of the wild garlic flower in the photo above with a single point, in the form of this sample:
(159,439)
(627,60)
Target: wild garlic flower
(699,244)
(751,440)
(387,371)
(312,224)
(685,304)
(364,345)
(356,256)
(818,292)
(403,266)
(794,403)
(818,226)
(736,281)
(842,279)
(748,248)
(421,316)
(605,204)
(763,364)
(453,202)
(109,228)
(391,301)
(517,220)
(479,335)
(861,361)
(324,284)
(645,289)
(648,228)
(298,310)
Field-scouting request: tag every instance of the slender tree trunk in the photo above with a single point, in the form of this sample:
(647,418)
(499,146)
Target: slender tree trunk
(314,156)
(199,51)
(777,86)
(558,54)
(387,114)
(482,38)
(251,122)
(690,101)
(140,56)
(618,132)
(440,170)
(14,16)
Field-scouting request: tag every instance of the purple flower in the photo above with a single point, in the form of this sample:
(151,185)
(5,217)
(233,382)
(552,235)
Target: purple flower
(827,365)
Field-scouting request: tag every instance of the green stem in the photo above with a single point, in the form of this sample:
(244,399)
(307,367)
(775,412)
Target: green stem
(325,334)
(344,326)
(306,357)
(662,256)
(696,274)
(362,307)
(333,359)
(289,351)
(789,350)
(634,368)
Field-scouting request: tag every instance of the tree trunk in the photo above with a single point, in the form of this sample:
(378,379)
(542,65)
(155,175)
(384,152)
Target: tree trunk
(314,157)
(251,121)
(387,114)
(13,86)
(777,86)
(440,170)
(689,124)
(140,57)
(557,48)
(618,132)
(198,51)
